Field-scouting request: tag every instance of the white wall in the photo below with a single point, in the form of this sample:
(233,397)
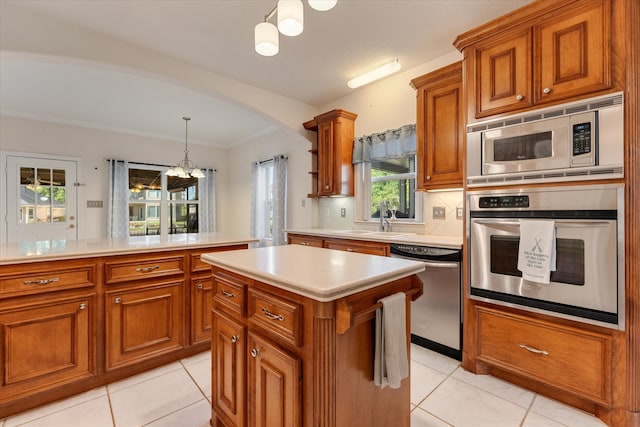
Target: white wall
(92,147)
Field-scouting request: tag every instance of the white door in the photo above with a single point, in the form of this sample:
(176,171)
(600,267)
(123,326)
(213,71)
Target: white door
(41,199)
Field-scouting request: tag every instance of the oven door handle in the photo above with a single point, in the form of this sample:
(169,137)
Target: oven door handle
(558,223)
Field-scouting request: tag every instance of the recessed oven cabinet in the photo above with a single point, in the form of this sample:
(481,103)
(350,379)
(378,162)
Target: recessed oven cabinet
(588,282)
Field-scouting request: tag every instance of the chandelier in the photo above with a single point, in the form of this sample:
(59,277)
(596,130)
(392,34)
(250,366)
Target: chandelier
(185,167)
(290,23)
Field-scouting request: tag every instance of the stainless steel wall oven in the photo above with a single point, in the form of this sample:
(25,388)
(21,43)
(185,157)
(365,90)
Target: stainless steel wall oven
(588,284)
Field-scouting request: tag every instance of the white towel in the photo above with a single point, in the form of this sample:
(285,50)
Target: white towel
(537,250)
(391,362)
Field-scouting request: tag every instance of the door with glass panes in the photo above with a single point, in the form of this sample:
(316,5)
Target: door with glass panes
(41,199)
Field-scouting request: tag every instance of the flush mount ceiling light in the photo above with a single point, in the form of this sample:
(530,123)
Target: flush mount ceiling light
(375,74)
(185,168)
(290,22)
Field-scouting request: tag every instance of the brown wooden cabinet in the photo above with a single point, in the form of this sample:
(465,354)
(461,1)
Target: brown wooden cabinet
(332,154)
(275,352)
(360,246)
(295,239)
(573,360)
(201,301)
(46,344)
(560,52)
(143,322)
(439,128)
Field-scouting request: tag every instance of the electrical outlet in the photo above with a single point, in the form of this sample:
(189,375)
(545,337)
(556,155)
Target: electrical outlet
(438,212)
(94,203)
(304,203)
(343,212)
(458,213)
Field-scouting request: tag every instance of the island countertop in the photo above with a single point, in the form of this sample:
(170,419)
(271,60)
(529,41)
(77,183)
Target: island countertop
(317,273)
(48,250)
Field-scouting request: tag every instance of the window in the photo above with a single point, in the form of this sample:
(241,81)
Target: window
(160,203)
(264,199)
(269,200)
(390,184)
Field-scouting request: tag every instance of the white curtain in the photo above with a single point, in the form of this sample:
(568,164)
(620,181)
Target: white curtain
(279,220)
(393,143)
(207,197)
(118,213)
(260,202)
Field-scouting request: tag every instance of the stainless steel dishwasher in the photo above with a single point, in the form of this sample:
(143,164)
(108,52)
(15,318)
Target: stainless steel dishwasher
(436,319)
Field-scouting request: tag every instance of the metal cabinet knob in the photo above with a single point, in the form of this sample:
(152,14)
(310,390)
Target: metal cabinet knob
(200,286)
(428,177)
(255,352)
(546,90)
(519,98)
(83,306)
(117,300)
(234,339)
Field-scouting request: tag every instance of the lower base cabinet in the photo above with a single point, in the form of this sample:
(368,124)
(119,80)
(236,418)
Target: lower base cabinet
(201,301)
(144,322)
(47,344)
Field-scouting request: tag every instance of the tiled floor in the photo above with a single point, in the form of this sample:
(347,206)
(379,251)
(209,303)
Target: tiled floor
(178,395)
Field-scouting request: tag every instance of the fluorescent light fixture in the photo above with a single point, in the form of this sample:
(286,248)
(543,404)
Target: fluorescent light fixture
(266,37)
(322,5)
(290,17)
(375,74)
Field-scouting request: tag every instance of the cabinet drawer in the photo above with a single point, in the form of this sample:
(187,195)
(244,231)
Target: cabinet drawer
(122,271)
(358,246)
(571,359)
(47,279)
(276,314)
(230,292)
(306,241)
(197,265)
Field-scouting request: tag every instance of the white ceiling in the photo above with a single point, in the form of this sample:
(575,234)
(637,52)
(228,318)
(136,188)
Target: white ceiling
(217,35)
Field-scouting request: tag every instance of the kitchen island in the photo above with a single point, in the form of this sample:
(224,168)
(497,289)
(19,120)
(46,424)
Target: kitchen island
(78,314)
(293,337)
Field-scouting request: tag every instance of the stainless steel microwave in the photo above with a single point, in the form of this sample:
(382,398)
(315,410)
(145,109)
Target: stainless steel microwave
(579,140)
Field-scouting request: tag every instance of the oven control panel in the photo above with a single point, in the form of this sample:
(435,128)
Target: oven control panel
(504,202)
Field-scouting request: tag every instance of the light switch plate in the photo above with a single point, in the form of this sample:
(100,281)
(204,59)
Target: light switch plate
(438,212)
(458,213)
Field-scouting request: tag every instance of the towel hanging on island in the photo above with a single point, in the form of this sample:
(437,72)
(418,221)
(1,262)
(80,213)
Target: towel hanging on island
(391,361)
(537,250)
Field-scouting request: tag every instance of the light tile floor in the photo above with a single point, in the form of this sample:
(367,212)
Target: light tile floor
(179,394)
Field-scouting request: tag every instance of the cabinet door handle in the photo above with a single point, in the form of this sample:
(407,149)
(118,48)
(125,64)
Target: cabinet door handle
(546,90)
(83,306)
(255,352)
(272,316)
(350,249)
(227,294)
(533,349)
(41,281)
(147,269)
(200,286)
(519,97)
(428,177)
(235,339)
(117,300)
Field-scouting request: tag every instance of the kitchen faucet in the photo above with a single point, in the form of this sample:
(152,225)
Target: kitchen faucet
(385,225)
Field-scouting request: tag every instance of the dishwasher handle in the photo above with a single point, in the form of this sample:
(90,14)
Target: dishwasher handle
(436,264)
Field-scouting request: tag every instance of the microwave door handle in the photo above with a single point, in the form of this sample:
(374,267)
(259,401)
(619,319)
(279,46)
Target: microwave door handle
(558,223)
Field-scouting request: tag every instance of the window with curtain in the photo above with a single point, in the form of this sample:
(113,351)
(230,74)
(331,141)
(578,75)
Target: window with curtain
(144,201)
(269,200)
(386,167)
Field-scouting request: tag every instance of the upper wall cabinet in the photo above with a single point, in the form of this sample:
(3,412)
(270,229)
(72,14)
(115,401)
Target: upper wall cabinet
(546,53)
(439,128)
(332,154)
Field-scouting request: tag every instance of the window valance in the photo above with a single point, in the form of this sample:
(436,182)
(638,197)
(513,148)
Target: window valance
(390,144)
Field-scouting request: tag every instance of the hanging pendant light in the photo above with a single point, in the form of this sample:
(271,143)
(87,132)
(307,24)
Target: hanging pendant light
(322,5)
(290,17)
(266,39)
(185,168)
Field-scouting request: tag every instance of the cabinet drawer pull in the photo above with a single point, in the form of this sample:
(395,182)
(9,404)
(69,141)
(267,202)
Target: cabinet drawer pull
(147,269)
(255,352)
(83,306)
(272,316)
(235,338)
(41,281)
(350,249)
(227,294)
(533,349)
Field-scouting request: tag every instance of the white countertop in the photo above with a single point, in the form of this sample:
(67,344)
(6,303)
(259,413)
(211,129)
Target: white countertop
(46,250)
(453,242)
(317,273)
